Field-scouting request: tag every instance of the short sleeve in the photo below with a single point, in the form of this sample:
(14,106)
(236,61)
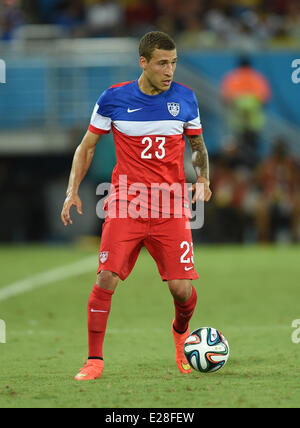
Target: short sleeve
(193,125)
(100,121)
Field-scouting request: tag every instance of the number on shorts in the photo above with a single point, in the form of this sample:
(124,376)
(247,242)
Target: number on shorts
(188,248)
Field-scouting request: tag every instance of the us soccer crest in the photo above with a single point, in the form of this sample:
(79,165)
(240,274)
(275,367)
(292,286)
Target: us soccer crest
(103,256)
(174,109)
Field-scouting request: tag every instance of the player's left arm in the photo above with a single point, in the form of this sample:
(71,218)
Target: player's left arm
(200,162)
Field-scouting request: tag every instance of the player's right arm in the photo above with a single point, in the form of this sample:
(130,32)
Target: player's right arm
(81,162)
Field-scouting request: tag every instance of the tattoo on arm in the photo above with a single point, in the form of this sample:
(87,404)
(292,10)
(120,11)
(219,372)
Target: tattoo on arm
(199,155)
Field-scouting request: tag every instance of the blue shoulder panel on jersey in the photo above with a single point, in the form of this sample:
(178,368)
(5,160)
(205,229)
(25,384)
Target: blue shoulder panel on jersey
(128,103)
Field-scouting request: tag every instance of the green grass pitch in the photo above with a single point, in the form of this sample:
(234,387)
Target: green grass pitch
(251,294)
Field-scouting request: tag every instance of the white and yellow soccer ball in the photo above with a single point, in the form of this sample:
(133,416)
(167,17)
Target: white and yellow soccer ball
(206,349)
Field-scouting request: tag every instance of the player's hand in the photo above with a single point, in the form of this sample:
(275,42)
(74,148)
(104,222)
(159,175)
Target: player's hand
(70,201)
(201,190)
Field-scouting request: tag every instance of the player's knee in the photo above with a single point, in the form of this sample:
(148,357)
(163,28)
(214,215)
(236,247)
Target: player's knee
(107,280)
(181,290)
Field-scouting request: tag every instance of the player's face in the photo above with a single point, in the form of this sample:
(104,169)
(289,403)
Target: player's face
(159,71)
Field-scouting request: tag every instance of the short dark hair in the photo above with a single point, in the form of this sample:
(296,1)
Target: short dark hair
(155,40)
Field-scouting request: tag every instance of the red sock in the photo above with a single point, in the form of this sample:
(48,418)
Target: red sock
(98,311)
(184,312)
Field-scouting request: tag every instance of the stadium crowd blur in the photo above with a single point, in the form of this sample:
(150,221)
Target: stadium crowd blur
(248,24)
(255,199)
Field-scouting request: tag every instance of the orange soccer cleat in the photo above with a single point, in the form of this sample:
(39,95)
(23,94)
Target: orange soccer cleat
(91,370)
(179,340)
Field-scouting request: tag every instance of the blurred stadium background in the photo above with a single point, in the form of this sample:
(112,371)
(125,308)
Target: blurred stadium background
(61,54)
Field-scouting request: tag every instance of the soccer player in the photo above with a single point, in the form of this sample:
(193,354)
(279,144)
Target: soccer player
(149,118)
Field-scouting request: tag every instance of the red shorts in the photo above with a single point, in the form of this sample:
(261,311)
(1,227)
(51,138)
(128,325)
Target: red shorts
(168,241)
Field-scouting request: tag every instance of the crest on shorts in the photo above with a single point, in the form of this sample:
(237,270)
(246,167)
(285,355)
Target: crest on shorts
(103,256)
(174,109)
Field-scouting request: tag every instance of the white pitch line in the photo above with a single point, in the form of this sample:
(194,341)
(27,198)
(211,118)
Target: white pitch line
(42,279)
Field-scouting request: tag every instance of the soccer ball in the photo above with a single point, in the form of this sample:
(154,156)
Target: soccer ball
(206,349)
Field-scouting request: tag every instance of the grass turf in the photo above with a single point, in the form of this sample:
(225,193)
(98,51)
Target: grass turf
(251,294)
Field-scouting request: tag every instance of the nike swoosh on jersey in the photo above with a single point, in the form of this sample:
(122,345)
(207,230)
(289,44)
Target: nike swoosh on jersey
(133,110)
(188,268)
